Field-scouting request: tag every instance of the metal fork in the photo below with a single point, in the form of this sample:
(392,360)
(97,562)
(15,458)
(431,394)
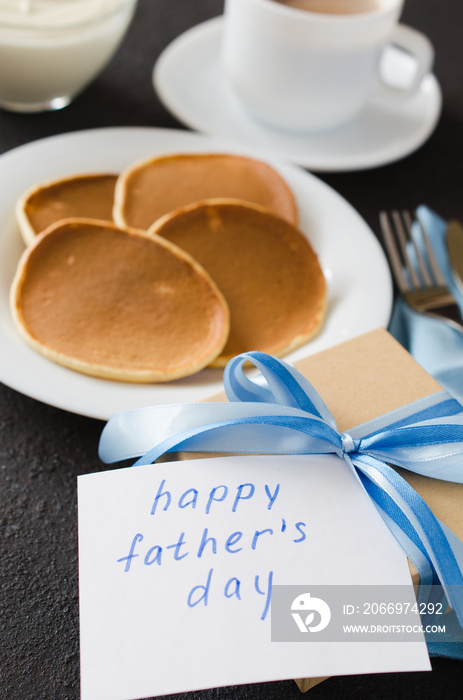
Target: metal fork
(416,271)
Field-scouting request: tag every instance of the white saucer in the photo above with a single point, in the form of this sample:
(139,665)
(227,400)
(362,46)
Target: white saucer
(189,81)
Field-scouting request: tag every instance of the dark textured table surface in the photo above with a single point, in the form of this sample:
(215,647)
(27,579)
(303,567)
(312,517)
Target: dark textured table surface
(43,449)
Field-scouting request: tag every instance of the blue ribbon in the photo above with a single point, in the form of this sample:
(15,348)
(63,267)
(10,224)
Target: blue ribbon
(281,413)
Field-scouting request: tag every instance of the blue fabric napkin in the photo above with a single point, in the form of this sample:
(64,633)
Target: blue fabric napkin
(437,347)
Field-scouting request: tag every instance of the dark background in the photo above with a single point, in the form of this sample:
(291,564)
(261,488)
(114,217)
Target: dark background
(43,449)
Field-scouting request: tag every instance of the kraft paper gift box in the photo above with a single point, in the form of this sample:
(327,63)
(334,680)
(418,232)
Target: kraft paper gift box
(362,379)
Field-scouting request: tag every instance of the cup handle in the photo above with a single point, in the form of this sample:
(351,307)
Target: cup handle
(407,59)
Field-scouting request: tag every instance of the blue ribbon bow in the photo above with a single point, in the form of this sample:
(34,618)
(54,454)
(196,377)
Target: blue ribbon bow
(281,413)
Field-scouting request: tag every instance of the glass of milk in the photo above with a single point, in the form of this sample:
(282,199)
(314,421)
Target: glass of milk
(50,50)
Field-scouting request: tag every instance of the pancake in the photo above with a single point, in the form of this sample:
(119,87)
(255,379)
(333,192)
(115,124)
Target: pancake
(116,304)
(88,195)
(154,187)
(265,267)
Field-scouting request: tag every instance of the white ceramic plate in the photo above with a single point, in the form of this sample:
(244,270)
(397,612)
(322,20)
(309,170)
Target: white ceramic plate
(360,288)
(188,79)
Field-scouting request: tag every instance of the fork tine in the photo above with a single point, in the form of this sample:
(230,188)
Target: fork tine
(394,257)
(401,228)
(436,271)
(419,258)
(403,240)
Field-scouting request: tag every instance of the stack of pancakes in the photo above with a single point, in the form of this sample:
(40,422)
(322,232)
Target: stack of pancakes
(178,263)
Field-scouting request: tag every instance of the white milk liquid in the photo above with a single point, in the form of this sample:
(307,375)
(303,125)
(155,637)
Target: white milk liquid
(53,48)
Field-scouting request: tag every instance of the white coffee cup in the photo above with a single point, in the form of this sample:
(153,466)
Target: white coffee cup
(302,70)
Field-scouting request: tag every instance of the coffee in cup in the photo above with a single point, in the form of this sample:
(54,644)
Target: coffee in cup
(333,7)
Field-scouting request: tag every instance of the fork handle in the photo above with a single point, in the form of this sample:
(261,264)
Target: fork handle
(451,314)
(441,305)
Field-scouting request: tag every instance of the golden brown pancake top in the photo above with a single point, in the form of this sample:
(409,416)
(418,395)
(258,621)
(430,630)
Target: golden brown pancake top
(152,188)
(87,195)
(266,268)
(118,304)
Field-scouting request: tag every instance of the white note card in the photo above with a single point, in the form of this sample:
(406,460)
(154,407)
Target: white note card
(177,561)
